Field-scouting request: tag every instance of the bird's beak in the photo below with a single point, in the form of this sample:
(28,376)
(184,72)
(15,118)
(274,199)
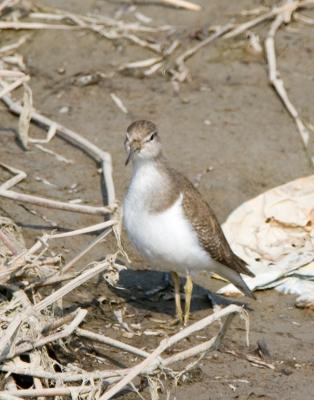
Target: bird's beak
(133,148)
(128,157)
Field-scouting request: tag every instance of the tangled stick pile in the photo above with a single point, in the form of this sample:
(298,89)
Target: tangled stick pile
(29,324)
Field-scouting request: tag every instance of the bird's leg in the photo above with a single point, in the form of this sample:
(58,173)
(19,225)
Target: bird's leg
(176,281)
(188,288)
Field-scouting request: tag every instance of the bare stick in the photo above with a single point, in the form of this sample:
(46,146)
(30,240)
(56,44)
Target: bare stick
(7,242)
(78,281)
(9,88)
(67,288)
(152,361)
(64,376)
(67,331)
(7,3)
(73,137)
(278,84)
(51,392)
(110,342)
(33,25)
(182,4)
(7,73)
(7,338)
(303,18)
(212,344)
(289,7)
(86,250)
(11,47)
(13,181)
(88,229)
(58,205)
(180,61)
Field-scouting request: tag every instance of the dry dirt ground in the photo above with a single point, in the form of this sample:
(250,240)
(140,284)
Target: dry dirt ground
(251,144)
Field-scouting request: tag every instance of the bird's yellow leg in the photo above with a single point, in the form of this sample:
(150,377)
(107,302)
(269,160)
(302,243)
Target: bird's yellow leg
(176,281)
(188,288)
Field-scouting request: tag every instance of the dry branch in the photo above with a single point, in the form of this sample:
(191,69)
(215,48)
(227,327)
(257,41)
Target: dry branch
(153,360)
(182,4)
(67,331)
(67,288)
(58,205)
(16,25)
(9,88)
(51,392)
(274,76)
(74,138)
(183,71)
(110,342)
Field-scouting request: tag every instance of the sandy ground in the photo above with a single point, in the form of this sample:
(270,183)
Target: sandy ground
(250,144)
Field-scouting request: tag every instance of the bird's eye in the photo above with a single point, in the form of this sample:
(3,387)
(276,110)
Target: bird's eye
(152,136)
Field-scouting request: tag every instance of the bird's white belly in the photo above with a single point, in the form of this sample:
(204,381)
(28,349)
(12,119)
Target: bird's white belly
(166,239)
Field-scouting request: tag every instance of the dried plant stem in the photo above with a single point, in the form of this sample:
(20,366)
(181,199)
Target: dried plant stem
(183,71)
(11,47)
(212,344)
(88,229)
(98,239)
(33,25)
(55,296)
(7,242)
(303,18)
(7,73)
(51,392)
(95,152)
(64,376)
(182,4)
(78,281)
(43,202)
(152,361)
(67,331)
(110,342)
(7,3)
(175,3)
(277,82)
(9,88)
(20,175)
(58,205)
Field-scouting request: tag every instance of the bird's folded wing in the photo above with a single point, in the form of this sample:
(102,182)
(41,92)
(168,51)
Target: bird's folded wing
(207,227)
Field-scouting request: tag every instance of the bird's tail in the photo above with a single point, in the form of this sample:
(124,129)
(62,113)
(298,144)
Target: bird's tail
(235,278)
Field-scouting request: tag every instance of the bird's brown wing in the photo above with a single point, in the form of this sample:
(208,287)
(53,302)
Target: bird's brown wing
(207,227)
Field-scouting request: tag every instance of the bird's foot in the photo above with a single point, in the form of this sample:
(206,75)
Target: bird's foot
(186,318)
(177,321)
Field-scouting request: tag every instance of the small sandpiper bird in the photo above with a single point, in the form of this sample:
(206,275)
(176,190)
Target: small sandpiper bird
(170,223)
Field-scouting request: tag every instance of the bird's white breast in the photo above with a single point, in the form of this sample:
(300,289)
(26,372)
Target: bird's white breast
(166,238)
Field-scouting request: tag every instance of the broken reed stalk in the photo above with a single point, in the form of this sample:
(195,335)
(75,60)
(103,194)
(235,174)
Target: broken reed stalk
(84,144)
(67,331)
(153,360)
(34,26)
(6,340)
(110,342)
(20,175)
(65,377)
(55,204)
(151,363)
(182,4)
(183,71)
(41,201)
(274,75)
(10,87)
(72,391)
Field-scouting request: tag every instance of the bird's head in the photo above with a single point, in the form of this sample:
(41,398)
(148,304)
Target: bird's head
(142,141)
